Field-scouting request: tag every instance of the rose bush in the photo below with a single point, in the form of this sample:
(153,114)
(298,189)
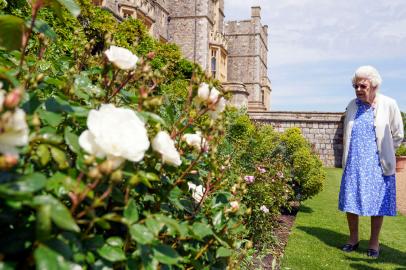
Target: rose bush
(274,171)
(117,164)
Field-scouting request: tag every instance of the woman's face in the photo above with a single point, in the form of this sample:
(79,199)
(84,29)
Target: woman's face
(364,90)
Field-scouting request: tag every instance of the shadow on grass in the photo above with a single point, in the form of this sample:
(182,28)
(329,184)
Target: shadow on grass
(305,209)
(335,239)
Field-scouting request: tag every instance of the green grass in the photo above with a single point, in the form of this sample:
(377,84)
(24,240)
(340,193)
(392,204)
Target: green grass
(320,230)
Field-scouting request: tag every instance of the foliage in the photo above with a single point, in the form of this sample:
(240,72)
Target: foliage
(282,168)
(64,206)
(401,151)
(307,172)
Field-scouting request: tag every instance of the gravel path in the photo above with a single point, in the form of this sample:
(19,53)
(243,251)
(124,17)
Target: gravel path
(401,192)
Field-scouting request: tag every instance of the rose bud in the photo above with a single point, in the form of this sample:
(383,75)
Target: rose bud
(13,99)
(7,162)
(151,55)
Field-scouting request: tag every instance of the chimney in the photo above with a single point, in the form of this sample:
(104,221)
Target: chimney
(256,12)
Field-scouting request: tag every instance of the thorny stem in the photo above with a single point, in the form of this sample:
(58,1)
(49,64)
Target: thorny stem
(129,77)
(141,99)
(206,191)
(99,200)
(180,179)
(204,249)
(82,196)
(190,121)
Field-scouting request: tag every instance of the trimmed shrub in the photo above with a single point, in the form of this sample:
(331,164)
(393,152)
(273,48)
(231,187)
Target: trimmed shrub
(307,172)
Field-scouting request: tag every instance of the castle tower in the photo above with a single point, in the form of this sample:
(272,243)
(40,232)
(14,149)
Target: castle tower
(247,62)
(197,27)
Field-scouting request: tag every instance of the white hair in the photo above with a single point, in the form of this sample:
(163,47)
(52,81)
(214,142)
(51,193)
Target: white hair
(370,73)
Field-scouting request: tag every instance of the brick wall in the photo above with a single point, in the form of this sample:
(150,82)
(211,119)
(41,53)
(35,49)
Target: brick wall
(323,130)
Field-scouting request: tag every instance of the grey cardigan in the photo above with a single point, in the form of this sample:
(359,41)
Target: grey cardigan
(388,127)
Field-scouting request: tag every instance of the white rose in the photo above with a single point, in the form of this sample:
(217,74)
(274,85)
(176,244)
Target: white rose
(115,133)
(214,95)
(195,140)
(220,107)
(197,191)
(203,92)
(121,57)
(13,132)
(264,209)
(163,144)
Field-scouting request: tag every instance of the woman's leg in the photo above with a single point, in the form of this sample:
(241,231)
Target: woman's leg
(353,226)
(376,225)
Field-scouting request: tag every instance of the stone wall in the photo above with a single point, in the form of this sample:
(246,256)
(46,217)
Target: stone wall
(323,130)
(190,24)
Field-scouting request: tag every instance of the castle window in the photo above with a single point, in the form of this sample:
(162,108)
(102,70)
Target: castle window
(145,20)
(213,62)
(127,13)
(97,2)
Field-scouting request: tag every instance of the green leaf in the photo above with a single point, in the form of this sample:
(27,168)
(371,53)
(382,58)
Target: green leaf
(218,220)
(43,222)
(72,140)
(223,252)
(42,27)
(201,230)
(165,254)
(148,116)
(83,86)
(57,105)
(141,234)
(172,224)
(70,5)
(46,258)
(59,213)
(24,187)
(111,253)
(131,212)
(43,154)
(153,225)
(115,241)
(49,136)
(59,157)
(11,32)
(50,118)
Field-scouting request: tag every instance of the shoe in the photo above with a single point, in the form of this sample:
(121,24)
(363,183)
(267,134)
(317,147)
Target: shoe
(373,253)
(349,247)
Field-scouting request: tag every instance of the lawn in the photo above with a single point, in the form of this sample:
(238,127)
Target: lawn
(320,230)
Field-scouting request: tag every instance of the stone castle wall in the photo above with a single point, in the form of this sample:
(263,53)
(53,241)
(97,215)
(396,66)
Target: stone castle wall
(189,27)
(324,131)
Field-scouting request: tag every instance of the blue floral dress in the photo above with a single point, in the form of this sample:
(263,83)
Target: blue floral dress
(365,191)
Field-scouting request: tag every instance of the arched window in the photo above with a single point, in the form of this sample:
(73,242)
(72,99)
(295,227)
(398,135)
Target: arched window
(213,62)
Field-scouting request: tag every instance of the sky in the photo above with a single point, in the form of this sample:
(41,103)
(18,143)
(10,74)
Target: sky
(315,46)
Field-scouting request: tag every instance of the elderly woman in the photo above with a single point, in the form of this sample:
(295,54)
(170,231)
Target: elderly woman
(373,129)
